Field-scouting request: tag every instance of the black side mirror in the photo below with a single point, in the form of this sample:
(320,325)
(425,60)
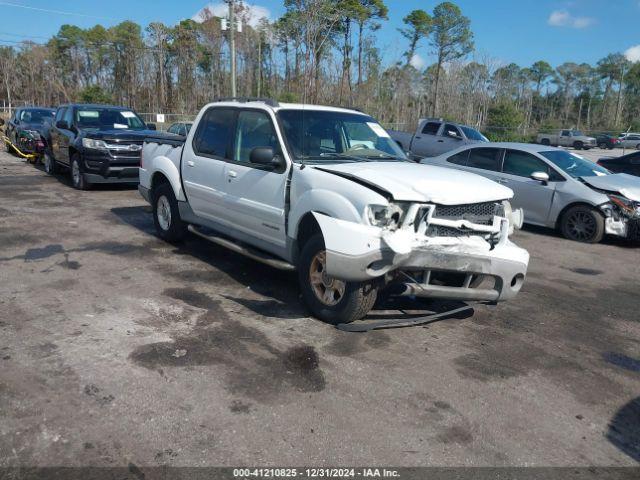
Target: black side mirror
(62,125)
(152,126)
(265,156)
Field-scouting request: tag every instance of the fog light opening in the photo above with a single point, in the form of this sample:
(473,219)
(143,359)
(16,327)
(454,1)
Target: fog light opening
(516,281)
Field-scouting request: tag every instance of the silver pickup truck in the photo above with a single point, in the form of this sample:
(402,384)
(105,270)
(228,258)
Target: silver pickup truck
(567,138)
(434,137)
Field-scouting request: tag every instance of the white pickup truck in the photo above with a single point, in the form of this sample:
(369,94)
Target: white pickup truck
(326,191)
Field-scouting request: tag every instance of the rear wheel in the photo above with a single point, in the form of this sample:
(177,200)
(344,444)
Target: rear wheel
(330,299)
(582,224)
(8,147)
(77,175)
(638,146)
(166,215)
(602,145)
(545,142)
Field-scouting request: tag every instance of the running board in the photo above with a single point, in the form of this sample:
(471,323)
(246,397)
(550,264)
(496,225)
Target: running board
(256,255)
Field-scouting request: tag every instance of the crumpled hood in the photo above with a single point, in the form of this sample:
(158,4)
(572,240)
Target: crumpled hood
(413,182)
(624,184)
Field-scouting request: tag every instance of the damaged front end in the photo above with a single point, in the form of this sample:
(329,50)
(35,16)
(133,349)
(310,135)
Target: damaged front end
(622,217)
(457,252)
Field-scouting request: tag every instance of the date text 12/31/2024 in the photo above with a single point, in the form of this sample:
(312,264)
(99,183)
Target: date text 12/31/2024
(305,473)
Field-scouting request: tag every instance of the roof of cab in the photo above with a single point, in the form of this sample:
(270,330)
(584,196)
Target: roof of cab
(94,105)
(275,106)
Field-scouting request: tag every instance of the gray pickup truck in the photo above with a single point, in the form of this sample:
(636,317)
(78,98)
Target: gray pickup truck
(434,137)
(567,138)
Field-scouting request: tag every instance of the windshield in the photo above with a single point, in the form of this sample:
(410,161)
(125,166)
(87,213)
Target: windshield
(577,133)
(574,165)
(473,134)
(36,116)
(108,119)
(326,136)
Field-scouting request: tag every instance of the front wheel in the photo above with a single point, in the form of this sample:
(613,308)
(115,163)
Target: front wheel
(166,215)
(50,165)
(582,224)
(77,176)
(330,299)
(578,145)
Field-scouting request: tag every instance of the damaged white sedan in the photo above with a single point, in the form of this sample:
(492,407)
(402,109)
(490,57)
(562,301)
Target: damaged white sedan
(327,192)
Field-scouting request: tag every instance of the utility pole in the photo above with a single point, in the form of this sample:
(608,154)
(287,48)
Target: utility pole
(259,64)
(232,45)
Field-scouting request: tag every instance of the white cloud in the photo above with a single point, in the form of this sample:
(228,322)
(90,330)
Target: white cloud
(562,18)
(417,62)
(252,14)
(633,54)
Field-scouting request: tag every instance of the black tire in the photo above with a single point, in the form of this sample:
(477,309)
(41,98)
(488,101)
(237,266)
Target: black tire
(356,301)
(78,179)
(8,147)
(602,145)
(638,146)
(578,145)
(171,229)
(545,142)
(50,165)
(582,224)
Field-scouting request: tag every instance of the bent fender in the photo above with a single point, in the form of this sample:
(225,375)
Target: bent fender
(348,243)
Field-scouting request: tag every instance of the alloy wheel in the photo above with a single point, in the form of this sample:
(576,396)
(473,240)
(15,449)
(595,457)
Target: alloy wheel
(75,173)
(327,289)
(163,209)
(582,226)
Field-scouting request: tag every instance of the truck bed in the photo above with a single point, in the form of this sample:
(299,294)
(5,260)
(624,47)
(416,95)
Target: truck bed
(166,139)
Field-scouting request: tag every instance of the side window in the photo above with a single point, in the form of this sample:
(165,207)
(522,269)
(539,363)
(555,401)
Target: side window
(485,158)
(68,116)
(60,114)
(172,129)
(431,128)
(451,131)
(565,133)
(522,164)
(182,130)
(214,132)
(459,158)
(254,130)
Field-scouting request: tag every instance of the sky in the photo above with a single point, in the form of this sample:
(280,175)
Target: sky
(505,31)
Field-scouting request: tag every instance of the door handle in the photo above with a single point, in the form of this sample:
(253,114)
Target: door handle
(191,163)
(440,141)
(502,181)
(233,173)
(417,136)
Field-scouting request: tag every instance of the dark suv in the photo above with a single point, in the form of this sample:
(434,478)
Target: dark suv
(97,143)
(604,141)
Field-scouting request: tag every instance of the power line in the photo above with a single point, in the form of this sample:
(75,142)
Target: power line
(58,12)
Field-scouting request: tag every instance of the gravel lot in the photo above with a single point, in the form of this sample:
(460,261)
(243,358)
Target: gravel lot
(117,348)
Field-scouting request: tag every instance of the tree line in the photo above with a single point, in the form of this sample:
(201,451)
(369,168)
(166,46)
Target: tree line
(323,51)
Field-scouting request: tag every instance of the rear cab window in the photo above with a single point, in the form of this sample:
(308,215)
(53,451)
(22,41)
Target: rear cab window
(215,132)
